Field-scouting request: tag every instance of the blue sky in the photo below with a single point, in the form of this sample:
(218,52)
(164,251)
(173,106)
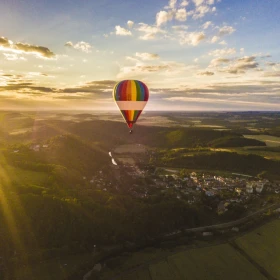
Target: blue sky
(193,55)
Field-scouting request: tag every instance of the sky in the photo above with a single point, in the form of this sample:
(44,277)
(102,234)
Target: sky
(192,54)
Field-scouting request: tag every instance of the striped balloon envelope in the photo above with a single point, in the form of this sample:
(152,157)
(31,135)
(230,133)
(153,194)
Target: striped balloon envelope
(131,97)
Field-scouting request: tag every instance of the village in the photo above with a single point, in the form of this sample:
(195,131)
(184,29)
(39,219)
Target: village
(131,175)
(148,181)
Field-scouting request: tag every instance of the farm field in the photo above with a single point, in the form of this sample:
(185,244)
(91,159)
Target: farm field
(222,261)
(271,141)
(55,269)
(215,262)
(263,246)
(130,148)
(23,177)
(265,152)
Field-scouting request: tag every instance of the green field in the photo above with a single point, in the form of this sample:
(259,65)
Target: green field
(52,270)
(10,175)
(215,262)
(271,141)
(263,246)
(266,152)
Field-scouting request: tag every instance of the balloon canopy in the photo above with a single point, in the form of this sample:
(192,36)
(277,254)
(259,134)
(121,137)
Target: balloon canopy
(131,97)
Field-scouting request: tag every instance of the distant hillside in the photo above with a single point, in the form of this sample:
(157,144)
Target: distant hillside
(235,142)
(228,161)
(77,154)
(109,134)
(115,133)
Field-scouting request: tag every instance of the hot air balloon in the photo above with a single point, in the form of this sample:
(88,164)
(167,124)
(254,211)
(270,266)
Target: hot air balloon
(131,97)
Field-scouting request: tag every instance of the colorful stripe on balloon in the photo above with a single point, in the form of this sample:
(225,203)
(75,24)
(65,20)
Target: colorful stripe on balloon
(131,90)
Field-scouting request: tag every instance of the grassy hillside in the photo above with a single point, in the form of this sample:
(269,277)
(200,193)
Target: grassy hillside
(228,161)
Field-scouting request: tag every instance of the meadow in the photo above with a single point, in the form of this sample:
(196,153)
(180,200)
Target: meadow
(222,261)
(263,246)
(271,141)
(213,262)
(55,269)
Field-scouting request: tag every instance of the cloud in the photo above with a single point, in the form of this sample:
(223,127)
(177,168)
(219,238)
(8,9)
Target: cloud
(226,30)
(13,56)
(39,51)
(19,85)
(133,59)
(223,43)
(147,56)
(181,14)
(130,23)
(69,44)
(242,64)
(146,68)
(198,2)
(228,103)
(184,3)
(272,74)
(5,42)
(172,4)
(27,88)
(215,39)
(228,92)
(163,16)
(218,61)
(207,24)
(206,73)
(221,52)
(202,7)
(180,27)
(100,88)
(193,38)
(81,46)
(42,51)
(122,31)
(235,66)
(272,64)
(150,31)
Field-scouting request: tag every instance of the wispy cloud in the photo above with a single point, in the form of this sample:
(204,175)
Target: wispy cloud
(222,52)
(147,56)
(192,38)
(242,64)
(150,31)
(184,3)
(272,74)
(207,24)
(206,73)
(218,61)
(81,46)
(23,48)
(226,30)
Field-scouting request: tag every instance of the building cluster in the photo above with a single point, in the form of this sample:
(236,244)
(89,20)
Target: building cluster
(256,186)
